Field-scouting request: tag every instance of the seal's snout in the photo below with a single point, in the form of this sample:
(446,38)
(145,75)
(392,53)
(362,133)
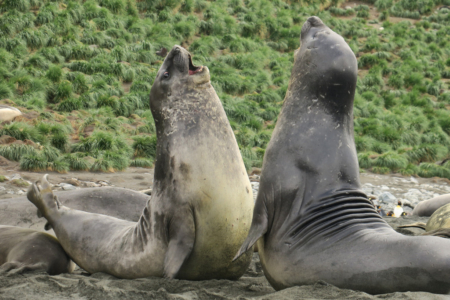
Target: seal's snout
(314,21)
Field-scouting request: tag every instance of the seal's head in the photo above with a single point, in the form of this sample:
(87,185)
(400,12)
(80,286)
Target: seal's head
(325,65)
(177,81)
(177,74)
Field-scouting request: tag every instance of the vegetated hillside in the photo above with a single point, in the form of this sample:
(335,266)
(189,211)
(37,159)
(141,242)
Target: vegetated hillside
(81,71)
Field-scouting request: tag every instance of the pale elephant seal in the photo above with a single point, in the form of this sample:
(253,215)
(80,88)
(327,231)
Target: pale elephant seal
(201,205)
(7,113)
(24,249)
(311,219)
(428,207)
(438,224)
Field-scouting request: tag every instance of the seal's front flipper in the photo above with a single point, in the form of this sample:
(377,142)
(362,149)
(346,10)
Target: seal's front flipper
(41,195)
(414,225)
(258,228)
(181,242)
(11,268)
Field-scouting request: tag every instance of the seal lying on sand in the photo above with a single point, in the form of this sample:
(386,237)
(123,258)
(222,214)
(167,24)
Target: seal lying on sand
(111,201)
(428,207)
(311,219)
(201,204)
(438,224)
(26,250)
(7,113)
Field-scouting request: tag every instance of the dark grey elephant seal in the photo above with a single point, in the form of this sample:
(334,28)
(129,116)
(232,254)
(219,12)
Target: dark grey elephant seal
(24,249)
(111,201)
(428,207)
(201,205)
(311,219)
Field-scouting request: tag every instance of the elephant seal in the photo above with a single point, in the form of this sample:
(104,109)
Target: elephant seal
(311,219)
(201,205)
(428,207)
(7,113)
(438,224)
(111,201)
(27,250)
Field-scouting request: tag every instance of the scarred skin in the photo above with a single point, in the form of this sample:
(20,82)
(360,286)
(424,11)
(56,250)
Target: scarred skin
(201,204)
(311,219)
(24,249)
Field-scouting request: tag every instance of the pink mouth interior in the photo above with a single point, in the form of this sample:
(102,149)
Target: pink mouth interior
(192,72)
(193,69)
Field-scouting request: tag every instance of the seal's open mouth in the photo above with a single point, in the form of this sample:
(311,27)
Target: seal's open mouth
(193,69)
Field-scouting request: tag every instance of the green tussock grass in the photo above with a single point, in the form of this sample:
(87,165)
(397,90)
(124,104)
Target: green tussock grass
(89,66)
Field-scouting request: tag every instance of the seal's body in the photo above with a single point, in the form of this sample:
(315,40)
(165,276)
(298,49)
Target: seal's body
(26,250)
(201,204)
(311,219)
(428,207)
(7,113)
(111,201)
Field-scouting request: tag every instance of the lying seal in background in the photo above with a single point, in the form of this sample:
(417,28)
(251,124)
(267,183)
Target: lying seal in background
(27,250)
(201,205)
(111,201)
(311,219)
(7,113)
(438,224)
(428,207)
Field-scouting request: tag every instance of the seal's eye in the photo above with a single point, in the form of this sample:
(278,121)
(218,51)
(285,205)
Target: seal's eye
(166,75)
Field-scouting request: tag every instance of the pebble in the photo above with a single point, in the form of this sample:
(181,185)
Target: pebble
(14,176)
(387,198)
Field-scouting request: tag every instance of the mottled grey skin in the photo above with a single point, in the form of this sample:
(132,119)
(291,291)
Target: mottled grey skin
(428,207)
(201,204)
(440,219)
(111,201)
(311,219)
(27,250)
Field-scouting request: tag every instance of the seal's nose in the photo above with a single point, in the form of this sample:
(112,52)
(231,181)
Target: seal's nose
(314,21)
(176,49)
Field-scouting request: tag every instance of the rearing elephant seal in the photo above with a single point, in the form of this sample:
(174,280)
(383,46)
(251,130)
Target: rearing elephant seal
(201,205)
(311,219)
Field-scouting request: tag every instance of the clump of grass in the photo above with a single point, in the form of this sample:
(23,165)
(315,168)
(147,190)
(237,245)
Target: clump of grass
(102,140)
(21,131)
(59,166)
(15,152)
(34,163)
(432,170)
(60,141)
(102,164)
(50,153)
(391,160)
(54,73)
(144,146)
(77,162)
(20,183)
(141,162)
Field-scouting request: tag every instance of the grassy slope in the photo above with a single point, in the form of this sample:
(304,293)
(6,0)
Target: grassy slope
(87,67)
